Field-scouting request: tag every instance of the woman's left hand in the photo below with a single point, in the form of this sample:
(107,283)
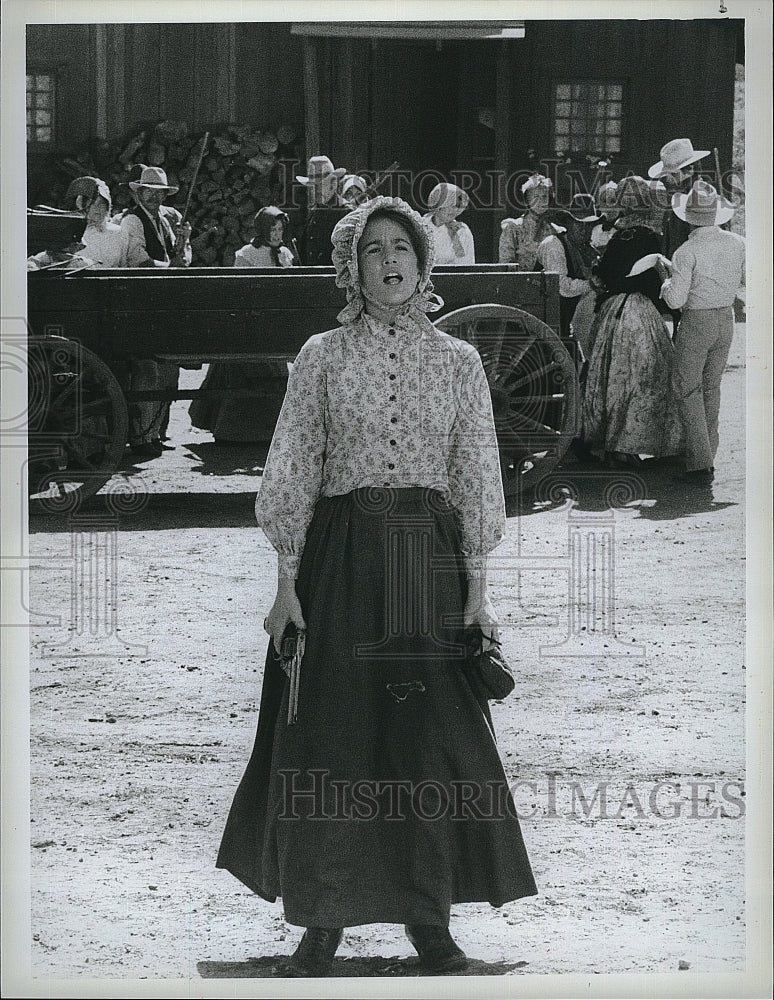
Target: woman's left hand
(480,611)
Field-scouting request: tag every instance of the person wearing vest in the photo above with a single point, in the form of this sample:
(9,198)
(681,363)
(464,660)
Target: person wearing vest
(154,238)
(568,252)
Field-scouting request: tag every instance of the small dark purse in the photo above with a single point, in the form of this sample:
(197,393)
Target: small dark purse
(488,668)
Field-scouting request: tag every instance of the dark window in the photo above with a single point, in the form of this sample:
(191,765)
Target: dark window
(588,117)
(40,107)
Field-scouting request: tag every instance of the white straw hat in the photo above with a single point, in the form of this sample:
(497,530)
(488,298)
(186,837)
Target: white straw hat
(675,155)
(155,178)
(702,206)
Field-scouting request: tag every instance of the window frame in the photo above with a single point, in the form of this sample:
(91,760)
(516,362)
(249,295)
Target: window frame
(618,81)
(51,73)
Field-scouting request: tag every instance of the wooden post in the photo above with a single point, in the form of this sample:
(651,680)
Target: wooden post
(225,91)
(100,81)
(311,98)
(116,59)
(344,150)
(503,129)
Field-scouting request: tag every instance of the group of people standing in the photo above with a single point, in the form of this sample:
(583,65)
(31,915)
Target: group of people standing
(644,252)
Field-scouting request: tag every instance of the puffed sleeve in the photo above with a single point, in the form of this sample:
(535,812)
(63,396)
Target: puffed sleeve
(675,289)
(474,465)
(292,477)
(241,258)
(508,242)
(553,258)
(466,238)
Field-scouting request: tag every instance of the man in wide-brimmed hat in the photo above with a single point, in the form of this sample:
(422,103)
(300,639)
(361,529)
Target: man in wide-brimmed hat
(706,272)
(322,181)
(675,170)
(324,207)
(154,238)
(568,252)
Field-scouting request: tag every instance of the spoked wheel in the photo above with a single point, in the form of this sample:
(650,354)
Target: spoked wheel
(534,388)
(77,423)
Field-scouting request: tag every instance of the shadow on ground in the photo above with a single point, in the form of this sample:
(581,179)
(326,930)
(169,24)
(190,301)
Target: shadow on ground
(650,488)
(150,512)
(274,966)
(218,458)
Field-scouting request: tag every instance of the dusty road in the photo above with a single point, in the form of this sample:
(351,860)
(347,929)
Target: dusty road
(628,744)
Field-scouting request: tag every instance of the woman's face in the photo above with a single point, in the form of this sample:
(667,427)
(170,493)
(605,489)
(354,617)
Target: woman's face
(354,196)
(97,210)
(447,213)
(537,199)
(387,261)
(276,233)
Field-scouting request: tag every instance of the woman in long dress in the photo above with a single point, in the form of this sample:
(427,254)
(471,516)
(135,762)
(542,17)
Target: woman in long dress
(382,495)
(629,409)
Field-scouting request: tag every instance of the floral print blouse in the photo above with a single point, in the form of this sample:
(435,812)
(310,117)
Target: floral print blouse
(369,404)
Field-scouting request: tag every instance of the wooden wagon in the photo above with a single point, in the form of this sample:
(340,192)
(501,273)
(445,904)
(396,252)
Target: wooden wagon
(85,326)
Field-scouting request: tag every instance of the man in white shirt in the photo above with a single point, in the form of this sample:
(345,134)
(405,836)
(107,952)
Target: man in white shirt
(706,272)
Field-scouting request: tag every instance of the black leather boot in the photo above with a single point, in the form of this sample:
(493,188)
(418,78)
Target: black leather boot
(436,948)
(314,955)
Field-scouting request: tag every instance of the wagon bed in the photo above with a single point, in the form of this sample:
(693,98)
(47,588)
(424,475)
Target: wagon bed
(84,327)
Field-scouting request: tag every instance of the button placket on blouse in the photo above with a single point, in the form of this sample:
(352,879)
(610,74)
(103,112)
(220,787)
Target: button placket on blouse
(393,396)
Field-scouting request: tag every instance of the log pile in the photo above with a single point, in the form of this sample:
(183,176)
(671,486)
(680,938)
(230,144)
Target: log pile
(244,168)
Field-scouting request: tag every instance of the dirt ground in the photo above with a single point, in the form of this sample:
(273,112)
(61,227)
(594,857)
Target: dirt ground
(142,724)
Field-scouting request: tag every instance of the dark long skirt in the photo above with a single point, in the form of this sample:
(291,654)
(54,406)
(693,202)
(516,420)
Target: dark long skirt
(386,801)
(246,418)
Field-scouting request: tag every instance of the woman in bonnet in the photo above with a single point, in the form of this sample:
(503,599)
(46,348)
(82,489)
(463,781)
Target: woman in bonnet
(382,496)
(629,407)
(453,239)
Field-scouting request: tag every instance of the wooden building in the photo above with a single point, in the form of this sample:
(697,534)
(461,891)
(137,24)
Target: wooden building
(482,100)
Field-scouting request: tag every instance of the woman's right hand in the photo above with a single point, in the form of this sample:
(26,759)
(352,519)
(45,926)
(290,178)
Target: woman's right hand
(286,608)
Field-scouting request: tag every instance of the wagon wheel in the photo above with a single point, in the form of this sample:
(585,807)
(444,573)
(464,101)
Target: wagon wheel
(534,387)
(77,421)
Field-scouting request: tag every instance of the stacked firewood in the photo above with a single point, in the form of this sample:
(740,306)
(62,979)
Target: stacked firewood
(243,169)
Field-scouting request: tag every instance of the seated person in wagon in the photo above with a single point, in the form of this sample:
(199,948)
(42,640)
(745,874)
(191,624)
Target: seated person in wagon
(104,241)
(453,239)
(248,419)
(521,237)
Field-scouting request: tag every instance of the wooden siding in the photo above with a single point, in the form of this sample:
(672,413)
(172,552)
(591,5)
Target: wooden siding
(385,100)
(678,77)
(67,51)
